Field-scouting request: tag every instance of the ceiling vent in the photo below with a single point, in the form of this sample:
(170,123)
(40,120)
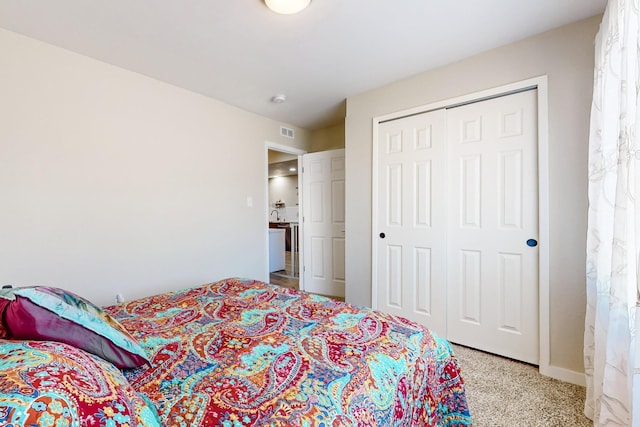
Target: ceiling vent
(286,132)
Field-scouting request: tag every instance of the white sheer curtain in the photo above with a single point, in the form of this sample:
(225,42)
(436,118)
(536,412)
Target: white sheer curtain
(611,341)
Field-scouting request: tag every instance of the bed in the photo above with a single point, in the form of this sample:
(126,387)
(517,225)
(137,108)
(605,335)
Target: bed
(235,352)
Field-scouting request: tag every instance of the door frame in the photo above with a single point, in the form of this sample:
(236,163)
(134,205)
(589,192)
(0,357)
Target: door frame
(541,84)
(273,146)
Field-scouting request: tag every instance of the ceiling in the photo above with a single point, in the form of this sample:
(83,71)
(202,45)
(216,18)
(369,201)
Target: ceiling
(241,53)
(286,168)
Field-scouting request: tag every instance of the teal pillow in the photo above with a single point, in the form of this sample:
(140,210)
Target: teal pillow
(53,314)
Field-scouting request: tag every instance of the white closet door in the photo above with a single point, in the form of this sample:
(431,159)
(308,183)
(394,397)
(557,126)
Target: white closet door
(493,213)
(457,203)
(411,255)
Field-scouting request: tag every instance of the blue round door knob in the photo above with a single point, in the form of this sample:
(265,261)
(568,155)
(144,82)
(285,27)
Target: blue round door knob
(532,243)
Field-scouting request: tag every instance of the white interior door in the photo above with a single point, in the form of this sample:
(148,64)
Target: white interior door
(323,222)
(411,220)
(493,273)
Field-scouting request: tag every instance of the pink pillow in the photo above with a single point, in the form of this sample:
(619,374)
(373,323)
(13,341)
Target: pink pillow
(52,314)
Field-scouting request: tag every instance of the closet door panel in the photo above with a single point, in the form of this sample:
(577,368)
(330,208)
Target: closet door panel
(410,239)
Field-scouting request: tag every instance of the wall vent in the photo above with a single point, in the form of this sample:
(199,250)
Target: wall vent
(286,132)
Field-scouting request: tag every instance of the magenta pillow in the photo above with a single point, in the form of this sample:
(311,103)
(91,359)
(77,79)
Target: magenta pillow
(52,314)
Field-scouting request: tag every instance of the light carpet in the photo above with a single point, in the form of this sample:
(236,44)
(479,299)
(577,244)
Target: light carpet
(505,393)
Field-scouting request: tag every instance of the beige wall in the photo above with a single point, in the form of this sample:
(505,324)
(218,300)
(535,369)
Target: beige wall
(329,138)
(565,55)
(114,182)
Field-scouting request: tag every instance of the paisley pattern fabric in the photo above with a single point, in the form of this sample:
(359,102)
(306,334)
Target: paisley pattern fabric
(612,320)
(46,383)
(246,353)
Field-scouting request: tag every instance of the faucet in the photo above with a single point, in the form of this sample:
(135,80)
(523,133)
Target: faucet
(277,214)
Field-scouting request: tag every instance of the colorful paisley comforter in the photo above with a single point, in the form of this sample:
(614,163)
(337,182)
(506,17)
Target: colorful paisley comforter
(246,353)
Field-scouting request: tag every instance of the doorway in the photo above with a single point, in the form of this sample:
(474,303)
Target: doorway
(283,215)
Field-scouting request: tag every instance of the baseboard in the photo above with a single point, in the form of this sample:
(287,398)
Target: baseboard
(563,374)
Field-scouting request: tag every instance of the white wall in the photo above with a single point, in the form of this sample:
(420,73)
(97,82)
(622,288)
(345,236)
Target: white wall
(114,182)
(566,56)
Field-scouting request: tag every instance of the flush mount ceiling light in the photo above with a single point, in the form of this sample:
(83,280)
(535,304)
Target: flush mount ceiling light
(287,7)
(278,99)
